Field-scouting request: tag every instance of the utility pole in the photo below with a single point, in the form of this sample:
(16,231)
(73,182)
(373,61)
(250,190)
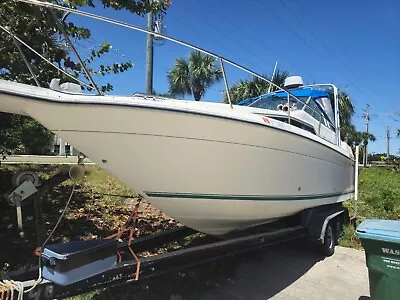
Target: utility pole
(388,141)
(367,118)
(149,54)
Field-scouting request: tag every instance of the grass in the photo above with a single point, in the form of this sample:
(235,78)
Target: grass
(379,198)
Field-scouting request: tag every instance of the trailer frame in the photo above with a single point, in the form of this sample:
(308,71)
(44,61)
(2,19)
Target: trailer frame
(312,223)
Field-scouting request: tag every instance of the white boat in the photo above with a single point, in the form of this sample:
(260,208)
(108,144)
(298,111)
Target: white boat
(214,167)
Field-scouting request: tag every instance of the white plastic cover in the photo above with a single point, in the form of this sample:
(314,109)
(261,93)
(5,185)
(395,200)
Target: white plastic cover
(293,81)
(68,87)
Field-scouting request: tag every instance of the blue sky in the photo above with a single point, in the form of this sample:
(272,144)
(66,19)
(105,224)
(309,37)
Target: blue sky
(353,44)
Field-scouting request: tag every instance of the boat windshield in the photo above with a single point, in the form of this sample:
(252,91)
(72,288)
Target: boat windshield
(315,102)
(273,101)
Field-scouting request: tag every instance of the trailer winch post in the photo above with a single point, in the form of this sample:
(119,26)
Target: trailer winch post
(27,188)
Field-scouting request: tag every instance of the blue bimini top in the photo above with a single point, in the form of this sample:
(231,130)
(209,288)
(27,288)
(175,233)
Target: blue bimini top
(303,92)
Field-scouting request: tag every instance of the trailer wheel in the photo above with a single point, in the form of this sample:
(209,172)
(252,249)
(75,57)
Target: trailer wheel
(328,247)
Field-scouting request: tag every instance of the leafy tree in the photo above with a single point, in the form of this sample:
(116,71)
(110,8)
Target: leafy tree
(36,26)
(22,134)
(10,131)
(34,137)
(348,132)
(350,135)
(255,86)
(353,137)
(194,75)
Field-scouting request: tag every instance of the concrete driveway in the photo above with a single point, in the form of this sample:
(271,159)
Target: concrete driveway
(293,270)
(296,272)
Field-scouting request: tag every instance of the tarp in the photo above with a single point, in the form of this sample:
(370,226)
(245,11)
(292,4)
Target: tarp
(304,92)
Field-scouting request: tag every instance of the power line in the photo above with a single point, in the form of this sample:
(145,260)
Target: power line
(226,36)
(297,35)
(328,48)
(255,41)
(308,45)
(201,34)
(301,39)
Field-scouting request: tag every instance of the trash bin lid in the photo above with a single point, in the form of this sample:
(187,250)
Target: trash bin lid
(384,230)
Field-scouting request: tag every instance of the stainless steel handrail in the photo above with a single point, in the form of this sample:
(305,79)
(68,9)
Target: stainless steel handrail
(16,43)
(129,26)
(225,81)
(221,59)
(70,45)
(44,58)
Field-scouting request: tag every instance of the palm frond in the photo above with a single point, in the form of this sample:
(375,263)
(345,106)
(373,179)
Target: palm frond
(193,76)
(179,78)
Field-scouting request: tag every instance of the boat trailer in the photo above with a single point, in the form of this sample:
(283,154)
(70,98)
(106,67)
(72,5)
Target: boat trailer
(210,249)
(76,268)
(125,271)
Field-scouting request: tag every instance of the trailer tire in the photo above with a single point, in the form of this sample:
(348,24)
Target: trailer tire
(328,247)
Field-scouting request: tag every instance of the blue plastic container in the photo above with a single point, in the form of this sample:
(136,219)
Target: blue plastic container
(67,263)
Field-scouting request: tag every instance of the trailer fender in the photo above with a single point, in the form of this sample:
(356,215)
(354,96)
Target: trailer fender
(320,221)
(325,224)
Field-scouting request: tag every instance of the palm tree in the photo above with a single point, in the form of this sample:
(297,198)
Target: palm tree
(255,86)
(354,137)
(350,135)
(279,79)
(346,109)
(194,75)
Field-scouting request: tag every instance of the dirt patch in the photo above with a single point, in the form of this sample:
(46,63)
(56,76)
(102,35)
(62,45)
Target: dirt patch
(99,207)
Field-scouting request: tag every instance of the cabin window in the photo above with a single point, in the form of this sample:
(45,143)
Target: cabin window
(293,122)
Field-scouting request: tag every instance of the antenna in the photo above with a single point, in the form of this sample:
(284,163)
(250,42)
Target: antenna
(273,75)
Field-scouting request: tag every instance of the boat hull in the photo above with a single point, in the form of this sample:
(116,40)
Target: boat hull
(211,172)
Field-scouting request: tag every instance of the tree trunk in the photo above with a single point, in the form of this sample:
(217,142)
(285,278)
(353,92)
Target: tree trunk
(197,95)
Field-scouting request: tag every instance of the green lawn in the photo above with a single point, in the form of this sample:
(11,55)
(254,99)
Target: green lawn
(378,198)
